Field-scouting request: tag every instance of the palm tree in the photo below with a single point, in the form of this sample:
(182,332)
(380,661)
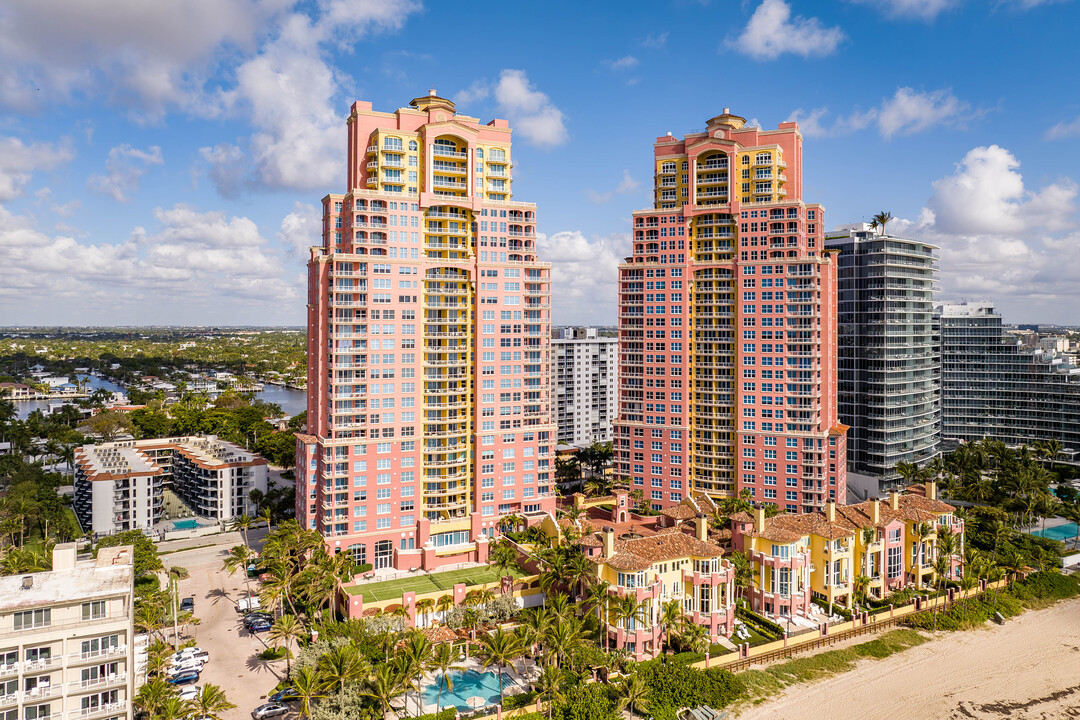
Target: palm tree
(633,694)
(550,685)
(859,586)
(559,606)
(909,471)
(340,666)
(152,696)
(443,660)
(424,607)
(881,220)
(869,534)
(284,630)
(1072,512)
(921,531)
(417,655)
(500,648)
(443,604)
(562,638)
(694,637)
(239,558)
(502,558)
(671,617)
(386,682)
(173,708)
(307,686)
(210,703)
(942,568)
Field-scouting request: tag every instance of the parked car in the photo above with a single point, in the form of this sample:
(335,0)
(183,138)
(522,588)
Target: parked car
(259,626)
(257,617)
(185,665)
(283,695)
(187,605)
(190,692)
(269,710)
(184,678)
(189,652)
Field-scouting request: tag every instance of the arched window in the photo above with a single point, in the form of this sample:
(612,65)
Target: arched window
(479,153)
(359,553)
(413,145)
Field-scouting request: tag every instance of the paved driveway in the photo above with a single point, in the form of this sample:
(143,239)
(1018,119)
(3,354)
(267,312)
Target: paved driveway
(234,664)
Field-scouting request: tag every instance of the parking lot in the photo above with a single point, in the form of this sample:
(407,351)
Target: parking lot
(234,664)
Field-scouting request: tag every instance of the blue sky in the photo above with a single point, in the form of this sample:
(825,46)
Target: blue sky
(163,162)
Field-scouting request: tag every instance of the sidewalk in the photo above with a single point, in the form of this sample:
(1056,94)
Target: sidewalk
(228,539)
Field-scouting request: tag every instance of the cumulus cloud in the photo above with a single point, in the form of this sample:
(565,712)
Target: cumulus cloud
(986,195)
(147,55)
(191,266)
(1002,240)
(772,32)
(907,112)
(1063,130)
(301,228)
(916,9)
(585,270)
(124,168)
(226,168)
(479,90)
(531,113)
(19,161)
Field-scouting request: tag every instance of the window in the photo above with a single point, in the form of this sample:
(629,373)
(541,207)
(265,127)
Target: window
(93,610)
(33,619)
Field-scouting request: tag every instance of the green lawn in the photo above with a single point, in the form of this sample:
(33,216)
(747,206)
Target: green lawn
(424,583)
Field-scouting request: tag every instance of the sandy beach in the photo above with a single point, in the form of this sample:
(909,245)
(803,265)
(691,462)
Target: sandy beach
(1028,669)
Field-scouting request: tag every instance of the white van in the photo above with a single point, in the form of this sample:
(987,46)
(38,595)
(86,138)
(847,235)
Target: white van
(247,604)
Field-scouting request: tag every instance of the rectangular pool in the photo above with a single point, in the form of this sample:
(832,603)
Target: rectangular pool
(185,524)
(1060,532)
(467,684)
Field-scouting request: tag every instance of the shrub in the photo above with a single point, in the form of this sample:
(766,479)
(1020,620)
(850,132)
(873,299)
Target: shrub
(520,700)
(673,686)
(274,653)
(836,609)
(446,714)
(1037,590)
(585,702)
(762,625)
(687,658)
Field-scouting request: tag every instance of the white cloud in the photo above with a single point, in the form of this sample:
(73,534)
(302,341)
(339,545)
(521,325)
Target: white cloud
(147,55)
(585,271)
(19,161)
(1001,240)
(531,113)
(226,168)
(917,9)
(192,267)
(772,31)
(986,195)
(655,41)
(300,229)
(124,168)
(627,62)
(476,92)
(907,112)
(1063,130)
(910,112)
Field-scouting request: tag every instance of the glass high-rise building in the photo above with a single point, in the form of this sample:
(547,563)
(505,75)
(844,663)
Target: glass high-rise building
(727,327)
(889,373)
(429,340)
(992,387)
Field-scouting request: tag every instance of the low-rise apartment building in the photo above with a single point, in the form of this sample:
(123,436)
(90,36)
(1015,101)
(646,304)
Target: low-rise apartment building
(120,485)
(66,639)
(890,544)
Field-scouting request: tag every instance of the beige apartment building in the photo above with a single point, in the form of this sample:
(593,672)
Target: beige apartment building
(66,639)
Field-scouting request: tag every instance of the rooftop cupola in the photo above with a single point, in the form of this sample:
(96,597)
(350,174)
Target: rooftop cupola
(432,101)
(726,120)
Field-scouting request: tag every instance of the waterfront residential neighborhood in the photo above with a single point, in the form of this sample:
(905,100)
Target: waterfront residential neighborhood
(346,377)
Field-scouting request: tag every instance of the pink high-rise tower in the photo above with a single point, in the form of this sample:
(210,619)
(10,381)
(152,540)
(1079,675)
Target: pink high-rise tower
(728,327)
(428,345)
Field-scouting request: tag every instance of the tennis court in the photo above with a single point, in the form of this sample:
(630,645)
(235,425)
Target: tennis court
(424,583)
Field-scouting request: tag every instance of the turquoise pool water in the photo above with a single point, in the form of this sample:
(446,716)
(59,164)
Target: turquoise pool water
(185,524)
(467,684)
(1061,532)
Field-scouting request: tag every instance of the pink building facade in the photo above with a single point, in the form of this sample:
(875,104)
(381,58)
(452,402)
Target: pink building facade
(728,347)
(429,316)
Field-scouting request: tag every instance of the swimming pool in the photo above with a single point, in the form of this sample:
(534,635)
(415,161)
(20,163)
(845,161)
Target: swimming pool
(1060,532)
(467,684)
(185,524)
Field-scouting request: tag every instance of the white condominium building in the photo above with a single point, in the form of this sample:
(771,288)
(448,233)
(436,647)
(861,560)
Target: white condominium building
(119,485)
(66,639)
(584,374)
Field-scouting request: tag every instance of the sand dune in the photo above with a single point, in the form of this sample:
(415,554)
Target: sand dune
(1028,669)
